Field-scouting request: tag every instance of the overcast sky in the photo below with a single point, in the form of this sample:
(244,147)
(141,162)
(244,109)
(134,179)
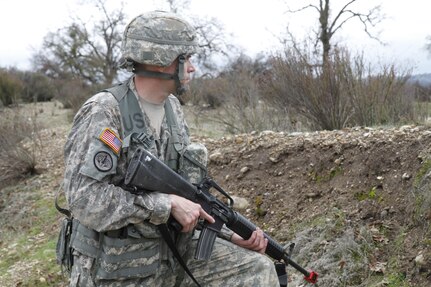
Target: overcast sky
(256,25)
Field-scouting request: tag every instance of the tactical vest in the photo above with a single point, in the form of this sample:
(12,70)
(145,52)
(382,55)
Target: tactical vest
(135,129)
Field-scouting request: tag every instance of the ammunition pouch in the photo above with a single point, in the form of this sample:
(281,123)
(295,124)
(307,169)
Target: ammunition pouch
(117,256)
(193,162)
(63,249)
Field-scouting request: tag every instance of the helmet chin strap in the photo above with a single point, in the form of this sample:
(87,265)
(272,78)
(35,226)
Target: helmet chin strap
(178,76)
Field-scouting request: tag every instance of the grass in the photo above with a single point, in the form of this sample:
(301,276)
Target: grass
(327,176)
(425,167)
(28,246)
(421,186)
(371,194)
(203,123)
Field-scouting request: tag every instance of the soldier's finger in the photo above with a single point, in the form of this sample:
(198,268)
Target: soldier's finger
(206,216)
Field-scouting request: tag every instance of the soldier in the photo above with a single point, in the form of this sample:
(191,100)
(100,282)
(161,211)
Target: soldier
(115,239)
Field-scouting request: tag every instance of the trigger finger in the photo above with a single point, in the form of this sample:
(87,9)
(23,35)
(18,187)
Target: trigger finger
(207,217)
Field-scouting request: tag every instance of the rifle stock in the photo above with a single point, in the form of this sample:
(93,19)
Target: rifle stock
(147,173)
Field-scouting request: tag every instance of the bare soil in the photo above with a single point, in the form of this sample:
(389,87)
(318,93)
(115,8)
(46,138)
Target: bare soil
(361,179)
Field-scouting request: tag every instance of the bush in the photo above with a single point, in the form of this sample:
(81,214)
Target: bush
(19,142)
(72,93)
(10,88)
(36,87)
(205,92)
(243,110)
(340,93)
(236,95)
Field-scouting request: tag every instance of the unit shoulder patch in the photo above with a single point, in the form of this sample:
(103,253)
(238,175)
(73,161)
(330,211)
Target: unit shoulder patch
(103,161)
(111,140)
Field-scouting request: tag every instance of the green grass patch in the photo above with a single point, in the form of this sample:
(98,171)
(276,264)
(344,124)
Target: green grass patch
(423,170)
(327,176)
(371,194)
(397,280)
(29,251)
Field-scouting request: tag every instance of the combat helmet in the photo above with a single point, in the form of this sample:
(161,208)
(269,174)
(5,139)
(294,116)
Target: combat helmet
(158,38)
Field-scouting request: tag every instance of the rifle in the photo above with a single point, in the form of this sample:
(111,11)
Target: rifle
(147,173)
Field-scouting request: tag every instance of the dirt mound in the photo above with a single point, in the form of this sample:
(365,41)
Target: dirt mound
(363,188)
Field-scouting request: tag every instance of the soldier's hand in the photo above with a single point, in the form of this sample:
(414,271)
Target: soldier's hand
(187,213)
(256,242)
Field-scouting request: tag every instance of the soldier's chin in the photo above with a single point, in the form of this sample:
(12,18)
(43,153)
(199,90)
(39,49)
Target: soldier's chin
(185,85)
(185,82)
(181,91)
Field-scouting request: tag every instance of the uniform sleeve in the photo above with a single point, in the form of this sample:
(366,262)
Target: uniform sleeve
(89,165)
(226,233)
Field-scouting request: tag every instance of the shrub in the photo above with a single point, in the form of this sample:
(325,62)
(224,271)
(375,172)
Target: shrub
(205,92)
(19,142)
(36,87)
(342,92)
(72,93)
(243,110)
(10,88)
(236,95)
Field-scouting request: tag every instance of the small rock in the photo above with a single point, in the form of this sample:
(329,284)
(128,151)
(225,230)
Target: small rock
(420,260)
(338,161)
(312,194)
(239,140)
(245,169)
(406,176)
(240,203)
(274,159)
(216,156)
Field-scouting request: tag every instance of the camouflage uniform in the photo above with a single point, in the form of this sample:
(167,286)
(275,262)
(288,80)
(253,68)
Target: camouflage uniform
(118,242)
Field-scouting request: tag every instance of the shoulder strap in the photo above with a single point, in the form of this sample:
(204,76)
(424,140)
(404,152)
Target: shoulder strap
(164,230)
(176,146)
(173,125)
(119,91)
(57,206)
(132,118)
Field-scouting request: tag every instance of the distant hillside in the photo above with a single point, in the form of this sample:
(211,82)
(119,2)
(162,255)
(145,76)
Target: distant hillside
(422,79)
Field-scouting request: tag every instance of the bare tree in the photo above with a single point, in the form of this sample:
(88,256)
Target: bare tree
(329,24)
(82,52)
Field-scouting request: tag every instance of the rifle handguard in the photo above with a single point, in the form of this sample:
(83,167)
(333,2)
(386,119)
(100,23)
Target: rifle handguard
(244,228)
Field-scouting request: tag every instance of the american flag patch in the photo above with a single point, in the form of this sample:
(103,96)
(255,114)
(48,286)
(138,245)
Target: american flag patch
(111,140)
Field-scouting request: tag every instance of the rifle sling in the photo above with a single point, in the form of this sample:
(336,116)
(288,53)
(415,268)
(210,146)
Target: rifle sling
(167,237)
(57,206)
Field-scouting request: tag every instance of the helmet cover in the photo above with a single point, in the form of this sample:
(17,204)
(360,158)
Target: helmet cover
(158,38)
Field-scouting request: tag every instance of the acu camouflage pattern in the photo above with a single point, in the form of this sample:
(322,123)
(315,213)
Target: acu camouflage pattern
(94,197)
(157,38)
(194,162)
(229,266)
(96,200)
